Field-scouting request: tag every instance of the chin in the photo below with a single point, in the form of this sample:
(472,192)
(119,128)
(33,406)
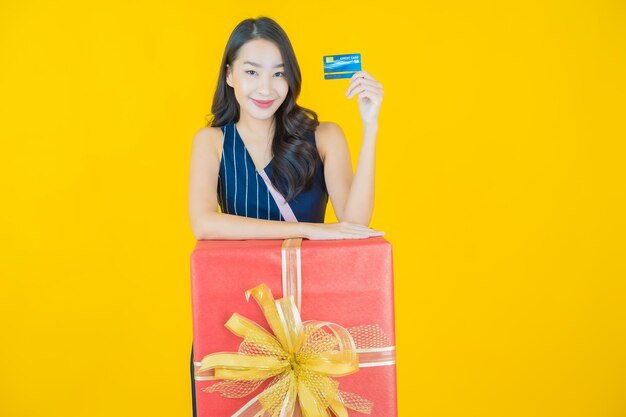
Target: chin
(263,115)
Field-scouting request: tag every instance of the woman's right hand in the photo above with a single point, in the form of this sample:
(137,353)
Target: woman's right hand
(341,230)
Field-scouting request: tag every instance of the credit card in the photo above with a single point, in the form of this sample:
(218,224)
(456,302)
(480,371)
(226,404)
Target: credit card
(341,66)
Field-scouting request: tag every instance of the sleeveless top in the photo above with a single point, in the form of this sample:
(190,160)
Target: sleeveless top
(242,191)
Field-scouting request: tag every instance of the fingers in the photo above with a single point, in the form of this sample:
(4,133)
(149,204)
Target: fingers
(362,81)
(342,230)
(376,99)
(361,234)
(359,88)
(348,236)
(363,74)
(360,230)
(361,84)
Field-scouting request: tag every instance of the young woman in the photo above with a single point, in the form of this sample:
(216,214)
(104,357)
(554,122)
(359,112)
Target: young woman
(270,164)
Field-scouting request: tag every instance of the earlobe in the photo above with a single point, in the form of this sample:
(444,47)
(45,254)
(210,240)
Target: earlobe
(228,76)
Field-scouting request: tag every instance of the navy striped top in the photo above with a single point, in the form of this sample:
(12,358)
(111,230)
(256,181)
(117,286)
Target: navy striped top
(242,191)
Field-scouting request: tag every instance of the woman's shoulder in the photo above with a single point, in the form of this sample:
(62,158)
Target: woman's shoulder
(325,127)
(328,135)
(210,134)
(209,138)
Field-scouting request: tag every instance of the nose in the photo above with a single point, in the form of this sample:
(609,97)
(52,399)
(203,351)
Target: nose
(264,85)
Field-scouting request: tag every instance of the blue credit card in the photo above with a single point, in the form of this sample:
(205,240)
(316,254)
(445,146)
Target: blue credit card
(341,66)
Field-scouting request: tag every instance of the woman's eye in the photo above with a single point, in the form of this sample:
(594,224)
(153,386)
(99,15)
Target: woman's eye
(253,72)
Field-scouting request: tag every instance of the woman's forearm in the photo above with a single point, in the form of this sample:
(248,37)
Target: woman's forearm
(360,203)
(222,226)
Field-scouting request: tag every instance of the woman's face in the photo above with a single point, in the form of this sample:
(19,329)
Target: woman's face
(258,78)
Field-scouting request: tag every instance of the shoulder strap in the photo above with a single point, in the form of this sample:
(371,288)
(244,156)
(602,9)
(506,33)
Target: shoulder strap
(283,206)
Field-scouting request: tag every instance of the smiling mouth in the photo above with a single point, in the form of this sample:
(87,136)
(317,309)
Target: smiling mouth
(263,104)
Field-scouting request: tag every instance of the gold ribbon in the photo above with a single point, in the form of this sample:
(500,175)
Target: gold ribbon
(301,357)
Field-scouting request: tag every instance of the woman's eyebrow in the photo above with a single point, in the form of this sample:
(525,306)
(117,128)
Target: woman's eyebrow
(254,64)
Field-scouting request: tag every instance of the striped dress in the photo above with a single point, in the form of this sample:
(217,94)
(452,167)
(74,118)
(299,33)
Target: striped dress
(241,191)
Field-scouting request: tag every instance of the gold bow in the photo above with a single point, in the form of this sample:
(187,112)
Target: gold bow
(301,357)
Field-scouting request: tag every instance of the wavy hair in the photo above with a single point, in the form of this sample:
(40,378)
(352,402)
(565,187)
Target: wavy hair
(294,158)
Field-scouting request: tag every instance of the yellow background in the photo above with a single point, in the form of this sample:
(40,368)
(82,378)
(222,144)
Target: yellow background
(500,183)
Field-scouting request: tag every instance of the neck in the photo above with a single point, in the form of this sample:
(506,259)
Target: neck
(263,129)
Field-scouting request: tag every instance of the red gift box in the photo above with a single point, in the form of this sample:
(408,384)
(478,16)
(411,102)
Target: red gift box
(348,282)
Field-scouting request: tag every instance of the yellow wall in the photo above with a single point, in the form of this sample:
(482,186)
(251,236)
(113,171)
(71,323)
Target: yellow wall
(500,183)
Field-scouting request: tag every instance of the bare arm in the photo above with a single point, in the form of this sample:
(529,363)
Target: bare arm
(230,226)
(352,195)
(208,223)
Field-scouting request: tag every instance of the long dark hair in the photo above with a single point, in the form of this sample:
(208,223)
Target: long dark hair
(293,166)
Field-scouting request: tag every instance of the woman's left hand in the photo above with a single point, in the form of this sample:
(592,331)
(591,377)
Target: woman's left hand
(370,94)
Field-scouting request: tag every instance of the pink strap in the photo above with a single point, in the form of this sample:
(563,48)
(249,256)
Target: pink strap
(284,208)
